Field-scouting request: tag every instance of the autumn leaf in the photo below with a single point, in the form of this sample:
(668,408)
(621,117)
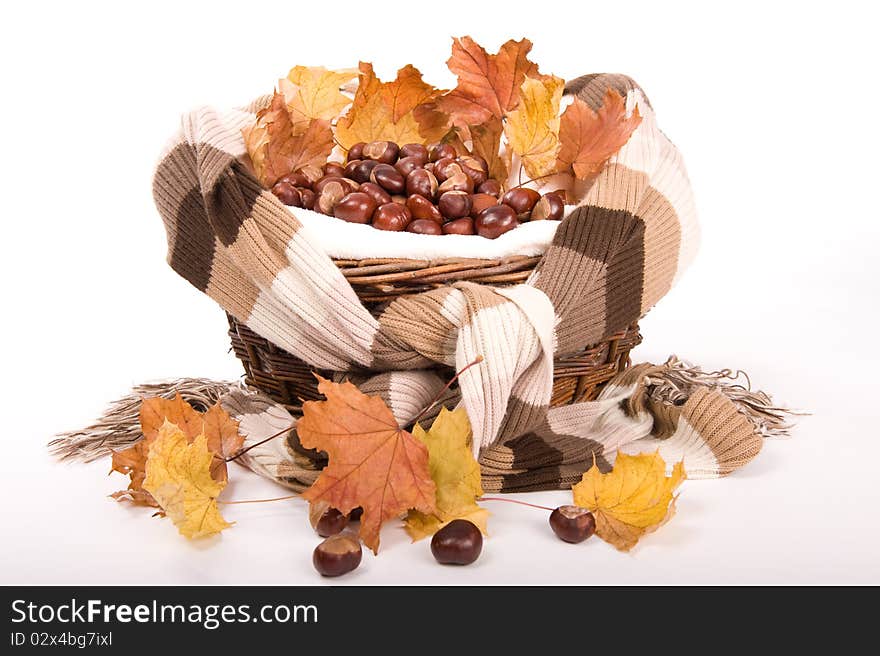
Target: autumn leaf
(590,138)
(276,148)
(455,473)
(633,499)
(179,479)
(486,142)
(220,430)
(488,85)
(313,92)
(532,129)
(403,110)
(372,462)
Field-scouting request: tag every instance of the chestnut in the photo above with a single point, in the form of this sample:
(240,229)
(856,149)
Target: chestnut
(422,208)
(388,177)
(421,182)
(356,151)
(424,226)
(491,187)
(454,204)
(287,193)
(330,523)
(334,168)
(375,192)
(392,216)
(330,194)
(297,179)
(572,523)
(439,151)
(406,165)
(463,226)
(361,171)
(356,207)
(458,543)
(457,181)
(521,199)
(311,173)
(495,221)
(550,206)
(308,198)
(347,184)
(475,168)
(381,151)
(337,555)
(441,166)
(479,202)
(414,150)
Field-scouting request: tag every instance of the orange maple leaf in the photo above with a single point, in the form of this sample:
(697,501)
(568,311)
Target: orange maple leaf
(488,85)
(277,145)
(373,463)
(588,138)
(403,110)
(219,429)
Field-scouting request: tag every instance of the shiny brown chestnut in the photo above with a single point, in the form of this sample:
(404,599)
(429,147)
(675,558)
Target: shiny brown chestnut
(454,204)
(415,150)
(491,187)
(356,207)
(479,202)
(308,197)
(334,168)
(422,208)
(330,194)
(421,182)
(572,523)
(330,523)
(442,168)
(392,216)
(457,181)
(388,177)
(376,193)
(312,173)
(495,221)
(439,151)
(356,151)
(521,199)
(347,184)
(463,226)
(550,206)
(424,226)
(361,171)
(475,168)
(287,193)
(458,543)
(297,179)
(337,555)
(381,151)
(406,165)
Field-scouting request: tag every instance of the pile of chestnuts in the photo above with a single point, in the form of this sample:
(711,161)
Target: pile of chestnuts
(429,190)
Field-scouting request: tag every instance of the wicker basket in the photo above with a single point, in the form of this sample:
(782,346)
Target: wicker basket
(290,381)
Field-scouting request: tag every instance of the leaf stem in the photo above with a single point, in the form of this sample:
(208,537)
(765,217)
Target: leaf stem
(522,503)
(241,452)
(232,503)
(436,399)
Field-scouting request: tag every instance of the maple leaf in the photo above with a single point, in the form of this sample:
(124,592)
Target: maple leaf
(455,473)
(276,147)
(590,138)
(220,430)
(488,85)
(532,129)
(403,110)
(633,499)
(179,479)
(486,142)
(372,462)
(313,92)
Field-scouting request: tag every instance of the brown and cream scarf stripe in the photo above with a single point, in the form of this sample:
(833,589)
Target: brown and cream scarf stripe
(612,258)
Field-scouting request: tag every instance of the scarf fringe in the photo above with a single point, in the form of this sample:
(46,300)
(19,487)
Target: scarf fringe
(120,426)
(676,381)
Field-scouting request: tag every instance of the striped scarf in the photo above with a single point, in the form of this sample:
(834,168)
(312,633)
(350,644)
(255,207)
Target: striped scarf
(612,258)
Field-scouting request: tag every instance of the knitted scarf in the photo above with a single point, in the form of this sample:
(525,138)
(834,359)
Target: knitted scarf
(612,258)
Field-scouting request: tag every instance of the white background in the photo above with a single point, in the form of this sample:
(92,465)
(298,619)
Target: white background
(774,108)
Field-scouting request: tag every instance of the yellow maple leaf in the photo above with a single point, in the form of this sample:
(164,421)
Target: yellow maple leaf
(532,129)
(314,92)
(633,499)
(403,110)
(455,473)
(179,478)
